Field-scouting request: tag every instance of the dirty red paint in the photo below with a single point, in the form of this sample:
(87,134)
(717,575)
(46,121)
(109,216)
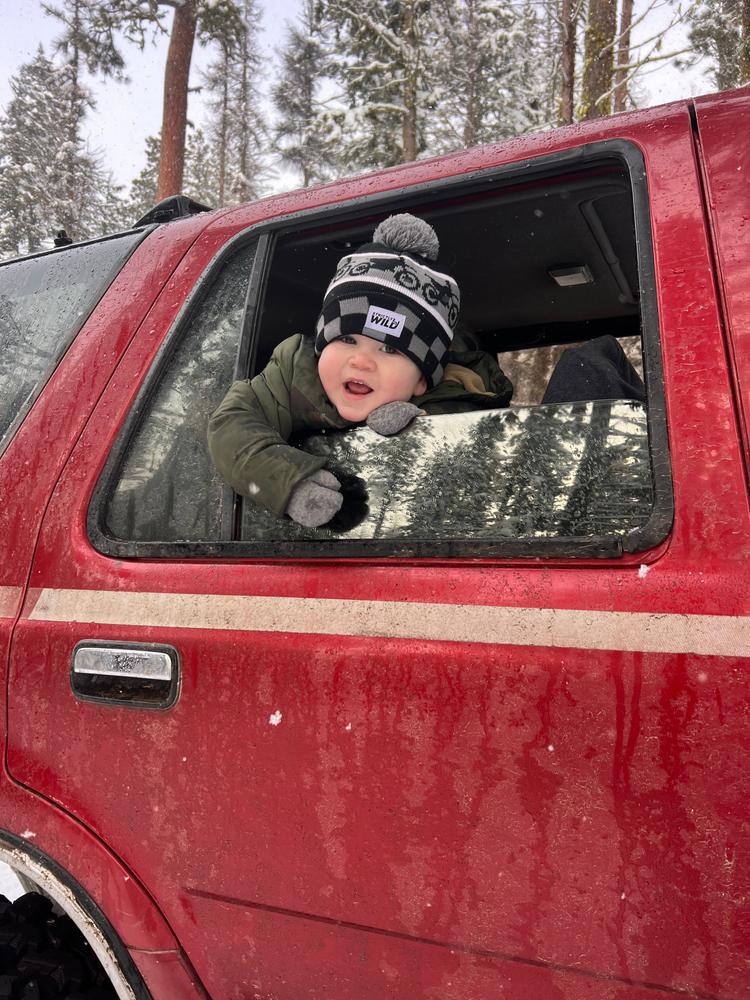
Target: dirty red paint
(433,819)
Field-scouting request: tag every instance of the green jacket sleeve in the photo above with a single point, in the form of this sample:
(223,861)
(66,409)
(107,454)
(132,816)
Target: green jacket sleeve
(249,431)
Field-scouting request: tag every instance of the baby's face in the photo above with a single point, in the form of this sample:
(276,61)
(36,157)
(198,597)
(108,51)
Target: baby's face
(359,374)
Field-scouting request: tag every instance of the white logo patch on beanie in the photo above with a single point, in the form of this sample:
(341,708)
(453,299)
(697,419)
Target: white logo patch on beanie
(384,321)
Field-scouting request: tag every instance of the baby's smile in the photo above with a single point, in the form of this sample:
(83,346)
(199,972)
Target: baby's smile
(357,388)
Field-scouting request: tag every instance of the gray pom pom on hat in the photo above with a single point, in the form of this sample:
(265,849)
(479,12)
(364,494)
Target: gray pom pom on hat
(407,234)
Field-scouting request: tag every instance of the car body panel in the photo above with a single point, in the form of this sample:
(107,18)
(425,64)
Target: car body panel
(452,777)
(727,173)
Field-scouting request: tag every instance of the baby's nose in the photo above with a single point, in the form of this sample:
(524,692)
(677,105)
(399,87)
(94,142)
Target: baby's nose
(362,360)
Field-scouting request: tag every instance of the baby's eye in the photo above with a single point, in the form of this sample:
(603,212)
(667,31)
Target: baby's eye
(389,350)
(347,339)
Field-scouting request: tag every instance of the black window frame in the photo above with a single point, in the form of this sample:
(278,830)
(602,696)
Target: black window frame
(656,529)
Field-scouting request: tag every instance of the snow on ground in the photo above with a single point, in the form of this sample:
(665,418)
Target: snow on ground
(9,884)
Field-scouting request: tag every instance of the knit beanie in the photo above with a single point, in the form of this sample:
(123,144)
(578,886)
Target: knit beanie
(387,291)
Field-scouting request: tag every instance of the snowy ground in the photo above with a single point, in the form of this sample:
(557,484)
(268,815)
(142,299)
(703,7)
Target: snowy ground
(9,884)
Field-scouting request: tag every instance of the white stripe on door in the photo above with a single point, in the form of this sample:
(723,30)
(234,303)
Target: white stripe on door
(710,635)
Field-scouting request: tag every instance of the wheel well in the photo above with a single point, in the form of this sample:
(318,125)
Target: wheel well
(34,868)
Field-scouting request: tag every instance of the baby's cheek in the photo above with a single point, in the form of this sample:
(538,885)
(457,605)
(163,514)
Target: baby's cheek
(325,377)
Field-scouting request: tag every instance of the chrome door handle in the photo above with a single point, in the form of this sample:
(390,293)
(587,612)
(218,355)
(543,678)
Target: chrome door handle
(136,674)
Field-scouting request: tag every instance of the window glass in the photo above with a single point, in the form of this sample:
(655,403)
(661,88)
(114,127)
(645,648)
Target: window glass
(167,489)
(44,302)
(552,471)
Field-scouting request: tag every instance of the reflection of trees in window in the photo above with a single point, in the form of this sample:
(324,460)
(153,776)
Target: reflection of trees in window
(524,475)
(399,476)
(575,470)
(589,471)
(571,470)
(451,498)
(613,488)
(19,355)
(427,505)
(43,303)
(168,488)
(579,470)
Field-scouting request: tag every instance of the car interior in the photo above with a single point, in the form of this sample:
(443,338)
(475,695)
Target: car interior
(542,262)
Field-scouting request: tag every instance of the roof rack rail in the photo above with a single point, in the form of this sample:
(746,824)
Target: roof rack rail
(177,206)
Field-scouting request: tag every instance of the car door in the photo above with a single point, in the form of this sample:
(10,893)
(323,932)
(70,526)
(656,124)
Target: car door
(367,770)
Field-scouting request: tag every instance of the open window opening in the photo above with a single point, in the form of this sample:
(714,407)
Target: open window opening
(543,261)
(539,264)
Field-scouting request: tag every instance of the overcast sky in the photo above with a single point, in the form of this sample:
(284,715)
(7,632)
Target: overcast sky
(127,113)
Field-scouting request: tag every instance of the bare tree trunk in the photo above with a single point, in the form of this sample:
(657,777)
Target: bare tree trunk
(745,44)
(174,119)
(68,219)
(409,129)
(470,119)
(568,18)
(223,131)
(623,55)
(243,187)
(598,58)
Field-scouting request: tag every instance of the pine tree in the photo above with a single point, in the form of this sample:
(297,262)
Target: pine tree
(300,132)
(564,87)
(720,31)
(201,170)
(621,93)
(112,213)
(86,43)
(48,180)
(174,116)
(380,53)
(143,189)
(209,20)
(99,207)
(237,124)
(249,129)
(216,83)
(484,76)
(33,112)
(88,35)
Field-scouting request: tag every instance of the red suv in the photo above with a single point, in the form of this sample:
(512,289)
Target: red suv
(490,742)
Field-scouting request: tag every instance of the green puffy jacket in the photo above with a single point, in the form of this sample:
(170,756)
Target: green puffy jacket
(248,434)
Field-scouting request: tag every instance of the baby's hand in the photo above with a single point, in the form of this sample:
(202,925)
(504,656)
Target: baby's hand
(315,500)
(390,418)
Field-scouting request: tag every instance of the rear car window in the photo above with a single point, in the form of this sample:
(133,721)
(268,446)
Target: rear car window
(44,302)
(585,477)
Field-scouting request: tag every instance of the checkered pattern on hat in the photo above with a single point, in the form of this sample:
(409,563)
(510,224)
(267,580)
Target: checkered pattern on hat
(374,276)
(421,339)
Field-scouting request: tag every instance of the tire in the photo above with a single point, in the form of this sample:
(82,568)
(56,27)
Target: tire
(44,956)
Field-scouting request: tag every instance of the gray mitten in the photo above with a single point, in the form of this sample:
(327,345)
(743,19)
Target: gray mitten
(390,418)
(315,500)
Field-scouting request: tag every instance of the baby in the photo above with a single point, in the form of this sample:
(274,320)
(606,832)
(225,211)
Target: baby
(378,357)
